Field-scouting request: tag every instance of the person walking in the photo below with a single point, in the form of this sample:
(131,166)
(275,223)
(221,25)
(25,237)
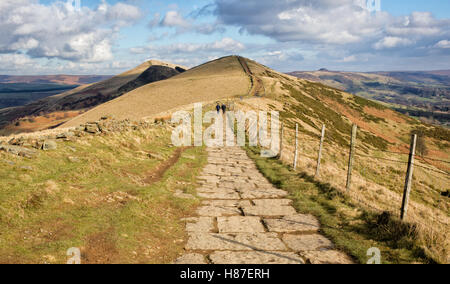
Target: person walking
(224,108)
(218,108)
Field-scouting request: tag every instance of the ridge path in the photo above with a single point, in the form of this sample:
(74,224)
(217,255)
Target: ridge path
(244,219)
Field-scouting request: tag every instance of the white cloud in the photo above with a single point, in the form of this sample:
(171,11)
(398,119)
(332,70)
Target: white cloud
(392,42)
(334,23)
(11,61)
(59,31)
(351,58)
(321,21)
(21,64)
(224,45)
(191,54)
(443,44)
(174,19)
(274,56)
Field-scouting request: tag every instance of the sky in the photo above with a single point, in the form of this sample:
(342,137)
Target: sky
(107,37)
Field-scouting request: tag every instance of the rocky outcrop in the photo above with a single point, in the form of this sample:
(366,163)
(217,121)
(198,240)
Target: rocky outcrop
(49,145)
(19,151)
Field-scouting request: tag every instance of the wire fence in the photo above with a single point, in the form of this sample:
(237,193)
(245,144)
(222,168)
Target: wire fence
(379,175)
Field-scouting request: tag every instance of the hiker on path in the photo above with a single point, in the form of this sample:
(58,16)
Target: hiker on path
(218,108)
(224,108)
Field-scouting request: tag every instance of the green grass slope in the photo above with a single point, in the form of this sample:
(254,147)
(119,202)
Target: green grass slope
(421,94)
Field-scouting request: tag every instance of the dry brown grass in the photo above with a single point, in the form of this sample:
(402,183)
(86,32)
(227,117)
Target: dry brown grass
(38,123)
(216,80)
(379,192)
(111,85)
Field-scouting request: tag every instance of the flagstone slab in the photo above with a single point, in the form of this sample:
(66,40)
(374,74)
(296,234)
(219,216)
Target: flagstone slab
(212,189)
(235,242)
(255,257)
(260,193)
(200,224)
(220,195)
(293,223)
(272,202)
(226,203)
(218,211)
(326,257)
(268,209)
(227,184)
(307,242)
(240,224)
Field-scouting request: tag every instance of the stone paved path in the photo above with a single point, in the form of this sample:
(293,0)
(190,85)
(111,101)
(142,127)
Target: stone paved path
(244,219)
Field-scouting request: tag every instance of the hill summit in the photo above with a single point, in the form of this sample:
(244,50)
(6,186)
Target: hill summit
(91,95)
(215,80)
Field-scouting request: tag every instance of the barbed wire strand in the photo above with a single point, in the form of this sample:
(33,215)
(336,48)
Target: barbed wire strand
(433,170)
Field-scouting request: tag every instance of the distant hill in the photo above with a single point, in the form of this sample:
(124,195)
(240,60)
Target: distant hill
(86,96)
(153,74)
(422,94)
(19,94)
(21,90)
(215,80)
(54,79)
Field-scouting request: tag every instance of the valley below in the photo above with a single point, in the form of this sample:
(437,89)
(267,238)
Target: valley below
(424,95)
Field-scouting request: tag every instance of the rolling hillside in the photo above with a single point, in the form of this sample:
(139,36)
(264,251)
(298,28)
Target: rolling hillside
(425,95)
(19,94)
(21,90)
(355,220)
(83,97)
(53,79)
(215,80)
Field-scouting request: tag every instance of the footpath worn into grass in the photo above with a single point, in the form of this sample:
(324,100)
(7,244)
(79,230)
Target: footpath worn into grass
(351,229)
(244,219)
(113,196)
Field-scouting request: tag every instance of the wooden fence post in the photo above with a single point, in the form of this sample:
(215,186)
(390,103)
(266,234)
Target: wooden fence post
(281,141)
(296,147)
(352,155)
(409,175)
(320,151)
